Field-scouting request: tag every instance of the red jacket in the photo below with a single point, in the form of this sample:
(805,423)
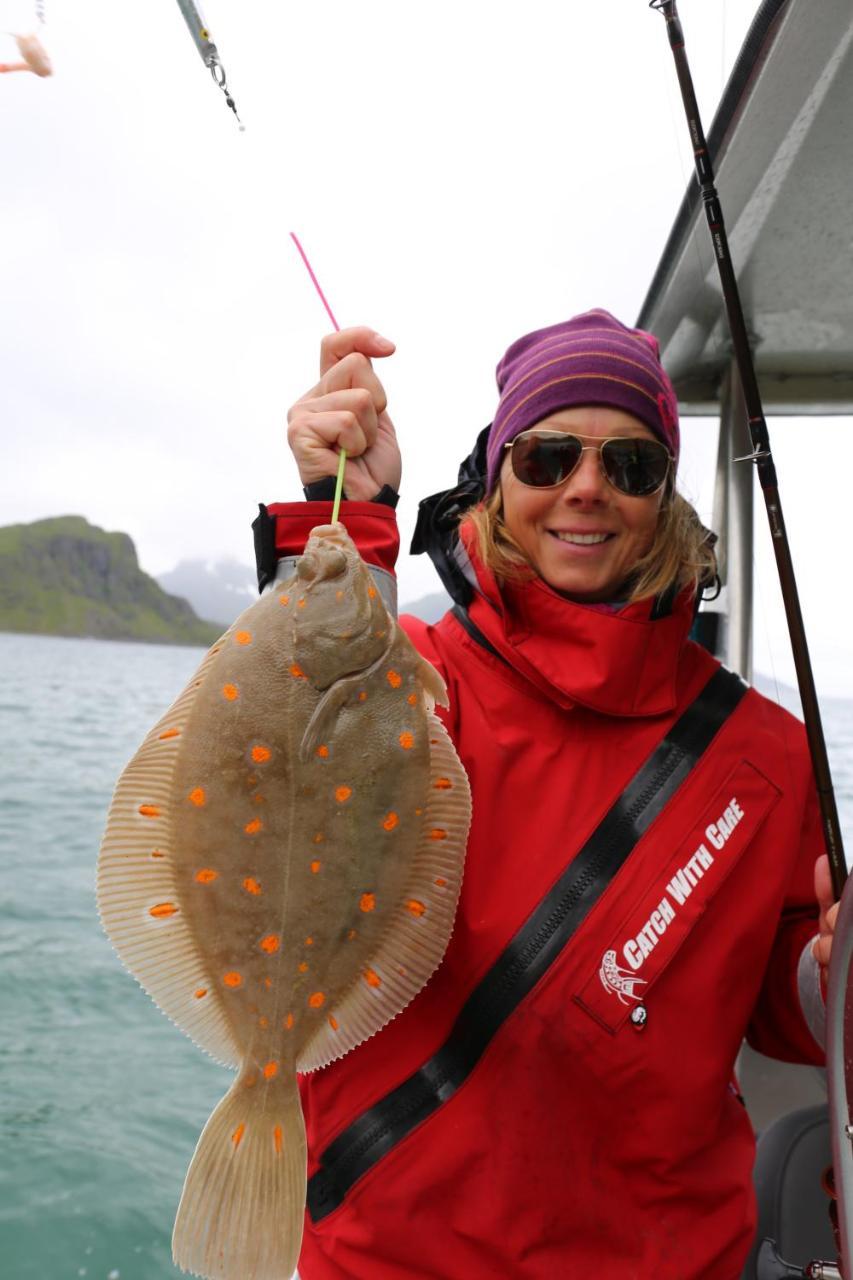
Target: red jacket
(581,1143)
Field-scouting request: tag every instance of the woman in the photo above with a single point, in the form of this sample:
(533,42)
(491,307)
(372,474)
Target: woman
(639,889)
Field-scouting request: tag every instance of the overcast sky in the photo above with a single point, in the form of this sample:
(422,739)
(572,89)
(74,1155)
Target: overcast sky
(458,172)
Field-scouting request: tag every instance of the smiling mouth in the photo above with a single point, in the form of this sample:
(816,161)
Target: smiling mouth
(581,539)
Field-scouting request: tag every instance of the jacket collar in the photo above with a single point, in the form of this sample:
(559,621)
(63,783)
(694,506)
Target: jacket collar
(621,663)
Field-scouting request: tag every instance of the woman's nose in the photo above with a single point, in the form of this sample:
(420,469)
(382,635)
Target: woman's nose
(587,482)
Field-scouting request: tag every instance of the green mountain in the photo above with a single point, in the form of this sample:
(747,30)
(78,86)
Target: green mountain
(66,577)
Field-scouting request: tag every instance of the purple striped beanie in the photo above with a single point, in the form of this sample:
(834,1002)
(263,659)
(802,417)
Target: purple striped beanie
(589,360)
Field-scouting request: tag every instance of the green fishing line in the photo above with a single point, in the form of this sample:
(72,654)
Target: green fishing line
(339,486)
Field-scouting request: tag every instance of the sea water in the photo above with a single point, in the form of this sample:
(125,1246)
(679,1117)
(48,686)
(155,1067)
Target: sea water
(101,1098)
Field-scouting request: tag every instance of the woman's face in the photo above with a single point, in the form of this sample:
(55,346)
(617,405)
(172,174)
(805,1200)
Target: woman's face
(547,522)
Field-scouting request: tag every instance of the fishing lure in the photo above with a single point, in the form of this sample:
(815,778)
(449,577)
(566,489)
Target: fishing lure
(208,50)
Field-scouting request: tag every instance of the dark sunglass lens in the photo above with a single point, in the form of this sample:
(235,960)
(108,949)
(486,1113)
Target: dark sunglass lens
(635,467)
(542,461)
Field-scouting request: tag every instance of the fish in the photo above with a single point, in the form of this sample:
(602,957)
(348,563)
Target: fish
(280,871)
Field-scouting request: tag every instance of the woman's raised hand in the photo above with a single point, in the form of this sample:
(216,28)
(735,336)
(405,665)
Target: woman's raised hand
(346,410)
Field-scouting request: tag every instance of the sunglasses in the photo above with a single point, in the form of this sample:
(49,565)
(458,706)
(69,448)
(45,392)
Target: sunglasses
(633,465)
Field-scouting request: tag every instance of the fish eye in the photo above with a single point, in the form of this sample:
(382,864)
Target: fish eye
(307,566)
(334,563)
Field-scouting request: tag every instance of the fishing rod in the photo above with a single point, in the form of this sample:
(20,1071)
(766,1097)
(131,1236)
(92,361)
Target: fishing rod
(761,455)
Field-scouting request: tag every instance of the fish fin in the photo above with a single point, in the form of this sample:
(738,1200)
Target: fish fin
(418,933)
(433,683)
(137,890)
(321,724)
(326,711)
(242,1208)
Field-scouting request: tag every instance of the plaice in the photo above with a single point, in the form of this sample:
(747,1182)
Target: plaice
(280,871)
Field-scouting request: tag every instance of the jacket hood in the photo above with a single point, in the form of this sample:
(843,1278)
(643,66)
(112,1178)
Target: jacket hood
(620,663)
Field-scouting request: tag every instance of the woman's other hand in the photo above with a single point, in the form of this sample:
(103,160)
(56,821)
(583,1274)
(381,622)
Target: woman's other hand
(346,410)
(822,945)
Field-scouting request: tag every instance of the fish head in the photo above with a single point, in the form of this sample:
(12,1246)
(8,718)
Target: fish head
(343,626)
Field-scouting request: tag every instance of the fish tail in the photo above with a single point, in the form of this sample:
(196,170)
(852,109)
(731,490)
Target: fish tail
(243,1204)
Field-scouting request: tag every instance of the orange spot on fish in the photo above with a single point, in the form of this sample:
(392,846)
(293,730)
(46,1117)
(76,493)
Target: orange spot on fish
(406,740)
(237,1135)
(270,1070)
(170,733)
(319,838)
(284,599)
(250,1081)
(302,966)
(232,978)
(230,692)
(367,901)
(323,752)
(372,978)
(342,794)
(260,755)
(441,882)
(252,780)
(288,1022)
(351,934)
(149,811)
(339,595)
(433,742)
(276,1137)
(362,697)
(258,799)
(412,699)
(201,993)
(197,797)
(270,943)
(371,592)
(394,679)
(162,910)
(333,1023)
(416,908)
(267,983)
(155,853)
(300,604)
(316,999)
(315,866)
(309,942)
(263,1023)
(438,833)
(418,812)
(297,672)
(206,876)
(251,885)
(243,637)
(443,784)
(380,634)
(252,828)
(390,821)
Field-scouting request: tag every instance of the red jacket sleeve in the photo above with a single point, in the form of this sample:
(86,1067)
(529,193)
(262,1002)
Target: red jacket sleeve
(372,527)
(778,1027)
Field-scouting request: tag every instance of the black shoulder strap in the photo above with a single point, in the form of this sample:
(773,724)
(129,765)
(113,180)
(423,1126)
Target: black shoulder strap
(535,947)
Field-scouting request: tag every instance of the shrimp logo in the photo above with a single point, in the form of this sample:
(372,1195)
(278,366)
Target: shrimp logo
(618,981)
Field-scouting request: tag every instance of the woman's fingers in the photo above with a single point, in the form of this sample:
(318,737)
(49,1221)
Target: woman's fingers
(360,339)
(316,439)
(822,947)
(347,410)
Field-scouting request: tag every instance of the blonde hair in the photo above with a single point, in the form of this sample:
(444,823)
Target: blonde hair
(681,554)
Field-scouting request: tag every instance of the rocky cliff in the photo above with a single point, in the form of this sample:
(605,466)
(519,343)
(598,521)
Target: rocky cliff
(66,577)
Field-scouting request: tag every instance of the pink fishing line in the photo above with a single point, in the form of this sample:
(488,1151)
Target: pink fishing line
(314,280)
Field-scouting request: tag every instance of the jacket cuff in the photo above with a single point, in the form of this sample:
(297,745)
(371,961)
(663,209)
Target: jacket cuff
(810,987)
(282,528)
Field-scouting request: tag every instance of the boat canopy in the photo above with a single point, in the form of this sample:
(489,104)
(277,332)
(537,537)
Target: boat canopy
(782,148)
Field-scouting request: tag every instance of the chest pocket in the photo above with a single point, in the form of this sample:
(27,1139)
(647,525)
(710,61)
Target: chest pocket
(651,932)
